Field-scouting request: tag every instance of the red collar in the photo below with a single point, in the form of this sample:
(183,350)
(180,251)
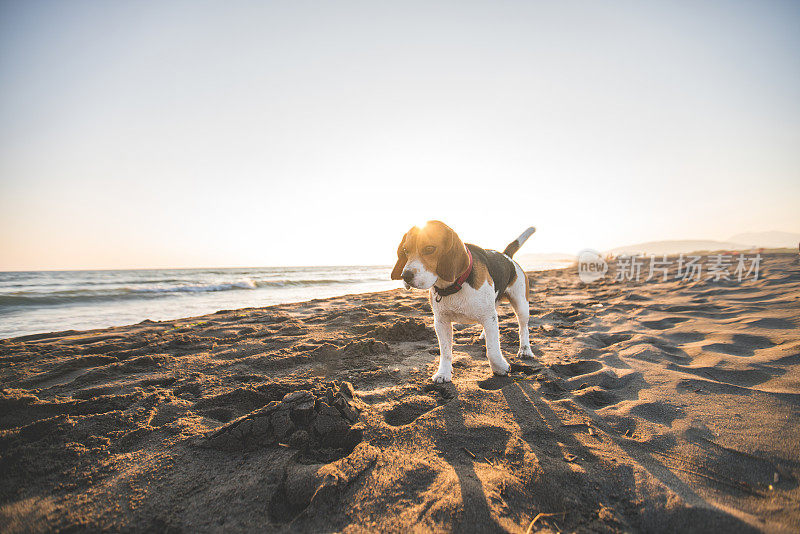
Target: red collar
(456,286)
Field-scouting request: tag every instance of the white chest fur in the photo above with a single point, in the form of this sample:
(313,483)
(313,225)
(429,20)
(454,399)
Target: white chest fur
(469,305)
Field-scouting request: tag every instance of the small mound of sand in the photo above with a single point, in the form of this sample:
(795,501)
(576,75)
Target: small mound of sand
(404,330)
(365,347)
(321,418)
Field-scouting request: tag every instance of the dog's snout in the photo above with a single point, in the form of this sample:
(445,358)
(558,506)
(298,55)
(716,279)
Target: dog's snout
(408,276)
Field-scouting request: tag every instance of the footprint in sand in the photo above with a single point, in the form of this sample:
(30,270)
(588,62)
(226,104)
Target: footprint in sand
(590,383)
(708,311)
(658,412)
(663,324)
(606,339)
(649,352)
(596,398)
(591,396)
(771,323)
(636,297)
(792,359)
(741,345)
(494,383)
(410,410)
(687,308)
(581,367)
(685,337)
(606,379)
(736,377)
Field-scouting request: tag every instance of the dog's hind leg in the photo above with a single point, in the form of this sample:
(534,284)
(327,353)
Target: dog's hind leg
(517,294)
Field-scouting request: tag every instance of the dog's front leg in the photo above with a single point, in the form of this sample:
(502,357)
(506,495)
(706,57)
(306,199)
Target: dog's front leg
(491,326)
(444,331)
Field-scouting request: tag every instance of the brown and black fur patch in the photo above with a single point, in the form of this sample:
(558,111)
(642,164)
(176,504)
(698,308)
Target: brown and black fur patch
(501,269)
(479,274)
(512,248)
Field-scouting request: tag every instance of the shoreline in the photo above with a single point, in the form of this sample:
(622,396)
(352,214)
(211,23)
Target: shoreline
(61,333)
(659,406)
(38,335)
(290,301)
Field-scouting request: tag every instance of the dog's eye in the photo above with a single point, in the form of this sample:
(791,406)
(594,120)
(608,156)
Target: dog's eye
(428,250)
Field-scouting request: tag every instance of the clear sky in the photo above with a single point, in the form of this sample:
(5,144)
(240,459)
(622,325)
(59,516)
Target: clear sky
(172,134)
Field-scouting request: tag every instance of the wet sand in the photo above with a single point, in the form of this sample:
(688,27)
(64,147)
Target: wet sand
(658,406)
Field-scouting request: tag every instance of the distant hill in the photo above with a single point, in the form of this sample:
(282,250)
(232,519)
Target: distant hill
(677,247)
(745,241)
(768,239)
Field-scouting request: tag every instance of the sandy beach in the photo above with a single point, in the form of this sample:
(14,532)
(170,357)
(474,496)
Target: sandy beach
(652,406)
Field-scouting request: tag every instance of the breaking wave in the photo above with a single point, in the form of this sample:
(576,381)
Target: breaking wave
(86,294)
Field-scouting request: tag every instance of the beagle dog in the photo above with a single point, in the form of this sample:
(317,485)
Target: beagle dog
(466,283)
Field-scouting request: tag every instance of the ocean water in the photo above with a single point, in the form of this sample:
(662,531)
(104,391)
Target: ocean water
(47,301)
(33,302)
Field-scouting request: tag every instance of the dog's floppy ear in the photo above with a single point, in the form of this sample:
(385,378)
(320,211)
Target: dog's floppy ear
(401,260)
(453,259)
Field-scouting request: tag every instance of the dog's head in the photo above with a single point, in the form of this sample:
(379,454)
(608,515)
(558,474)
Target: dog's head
(425,255)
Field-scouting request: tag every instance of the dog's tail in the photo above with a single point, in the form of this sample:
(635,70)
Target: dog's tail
(515,245)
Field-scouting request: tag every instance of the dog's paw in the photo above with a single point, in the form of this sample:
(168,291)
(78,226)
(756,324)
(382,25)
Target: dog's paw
(441,377)
(525,352)
(501,369)
(483,335)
